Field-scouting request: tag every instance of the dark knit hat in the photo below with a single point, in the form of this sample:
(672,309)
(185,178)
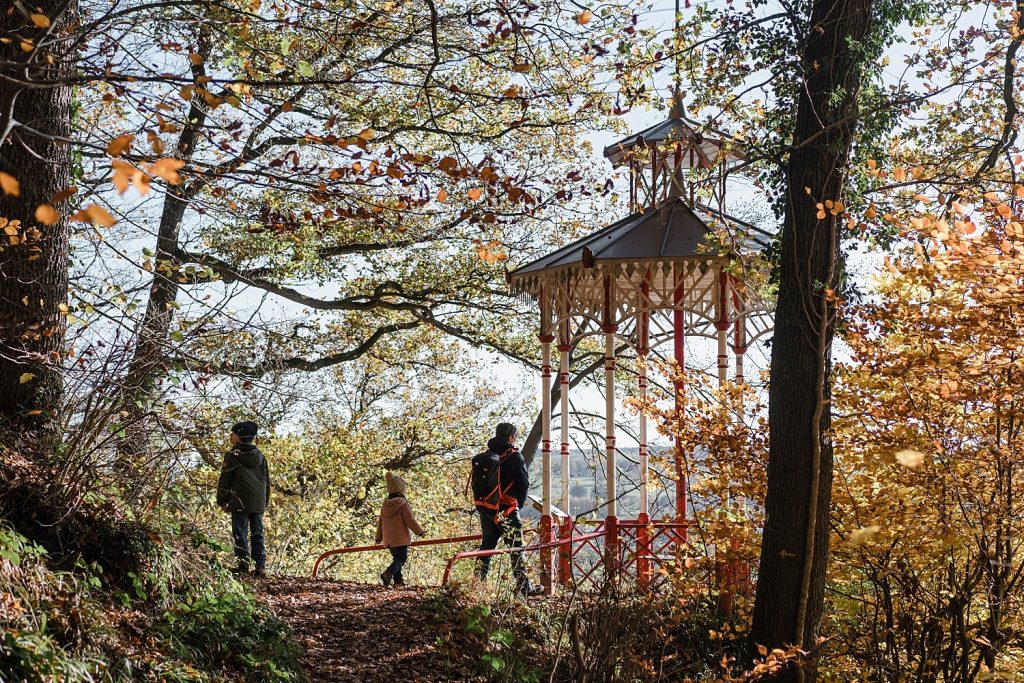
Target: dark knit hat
(505,430)
(246,431)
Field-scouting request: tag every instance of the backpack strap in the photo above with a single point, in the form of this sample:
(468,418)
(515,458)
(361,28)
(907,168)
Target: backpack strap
(506,504)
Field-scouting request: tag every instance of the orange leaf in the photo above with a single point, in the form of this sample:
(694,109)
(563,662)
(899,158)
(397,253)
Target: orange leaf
(584,17)
(442,195)
(475,193)
(167,168)
(94,214)
(41,20)
(47,215)
(120,145)
(9,184)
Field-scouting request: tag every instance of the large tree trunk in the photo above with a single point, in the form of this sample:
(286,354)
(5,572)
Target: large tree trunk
(33,256)
(791,579)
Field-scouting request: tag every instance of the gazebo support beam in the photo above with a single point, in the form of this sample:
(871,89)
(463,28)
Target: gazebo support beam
(643,540)
(611,516)
(679,336)
(565,531)
(545,518)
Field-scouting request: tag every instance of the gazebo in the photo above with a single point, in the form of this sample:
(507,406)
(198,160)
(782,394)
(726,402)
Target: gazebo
(663,272)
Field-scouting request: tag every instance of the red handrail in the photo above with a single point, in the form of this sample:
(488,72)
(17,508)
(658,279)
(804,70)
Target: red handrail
(367,548)
(507,551)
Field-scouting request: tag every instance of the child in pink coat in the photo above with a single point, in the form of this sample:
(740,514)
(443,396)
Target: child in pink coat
(393,527)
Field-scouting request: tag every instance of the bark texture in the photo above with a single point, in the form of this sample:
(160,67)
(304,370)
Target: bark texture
(790,585)
(33,256)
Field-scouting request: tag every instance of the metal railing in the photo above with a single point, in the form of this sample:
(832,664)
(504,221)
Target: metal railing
(370,548)
(534,547)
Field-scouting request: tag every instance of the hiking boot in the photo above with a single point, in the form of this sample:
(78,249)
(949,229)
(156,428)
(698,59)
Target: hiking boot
(259,573)
(240,569)
(386,577)
(399,580)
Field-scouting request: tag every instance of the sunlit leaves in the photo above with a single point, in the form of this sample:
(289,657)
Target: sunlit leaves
(94,213)
(910,458)
(9,184)
(120,145)
(47,215)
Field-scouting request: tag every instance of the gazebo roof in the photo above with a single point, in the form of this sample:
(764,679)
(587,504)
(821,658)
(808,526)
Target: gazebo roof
(671,231)
(674,128)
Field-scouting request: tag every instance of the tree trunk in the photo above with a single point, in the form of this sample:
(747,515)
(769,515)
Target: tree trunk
(791,578)
(33,256)
(149,360)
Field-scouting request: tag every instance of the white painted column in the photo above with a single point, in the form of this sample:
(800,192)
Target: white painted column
(722,326)
(644,506)
(546,419)
(609,429)
(563,382)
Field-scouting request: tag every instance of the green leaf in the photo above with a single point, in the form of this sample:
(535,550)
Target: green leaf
(306,69)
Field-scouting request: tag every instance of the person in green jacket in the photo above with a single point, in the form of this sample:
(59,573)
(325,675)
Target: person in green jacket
(244,491)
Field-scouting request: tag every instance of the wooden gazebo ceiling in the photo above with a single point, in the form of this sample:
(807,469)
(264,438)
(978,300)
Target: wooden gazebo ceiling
(673,231)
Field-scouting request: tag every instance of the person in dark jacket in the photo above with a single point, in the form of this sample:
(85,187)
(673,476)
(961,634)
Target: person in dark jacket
(244,491)
(515,481)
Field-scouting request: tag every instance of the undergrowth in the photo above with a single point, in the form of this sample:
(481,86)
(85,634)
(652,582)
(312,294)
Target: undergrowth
(88,595)
(615,634)
(173,623)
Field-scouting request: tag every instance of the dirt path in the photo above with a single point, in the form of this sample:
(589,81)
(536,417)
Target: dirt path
(361,633)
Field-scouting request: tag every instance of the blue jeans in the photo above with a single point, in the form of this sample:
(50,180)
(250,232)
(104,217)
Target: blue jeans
(509,528)
(399,556)
(243,526)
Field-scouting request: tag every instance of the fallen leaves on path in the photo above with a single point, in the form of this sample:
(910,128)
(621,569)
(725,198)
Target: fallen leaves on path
(362,633)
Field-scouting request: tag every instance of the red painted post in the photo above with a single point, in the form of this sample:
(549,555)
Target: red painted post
(565,552)
(546,536)
(611,546)
(643,551)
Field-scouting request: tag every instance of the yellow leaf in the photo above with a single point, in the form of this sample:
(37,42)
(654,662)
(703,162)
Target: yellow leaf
(120,145)
(864,534)
(910,459)
(167,168)
(26,45)
(41,20)
(26,377)
(47,215)
(584,17)
(9,184)
(366,134)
